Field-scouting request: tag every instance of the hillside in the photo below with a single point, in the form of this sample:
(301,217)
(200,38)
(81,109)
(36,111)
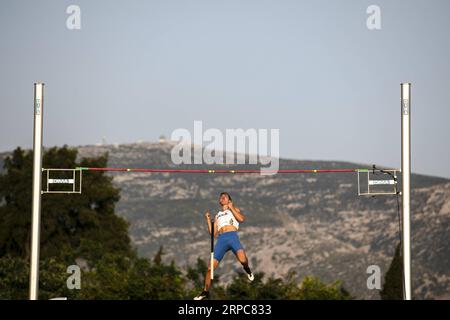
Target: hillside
(311,224)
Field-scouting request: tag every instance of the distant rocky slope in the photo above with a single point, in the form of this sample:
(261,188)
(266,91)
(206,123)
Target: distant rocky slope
(307,223)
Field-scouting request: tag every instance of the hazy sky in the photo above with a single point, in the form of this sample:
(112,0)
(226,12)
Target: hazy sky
(139,69)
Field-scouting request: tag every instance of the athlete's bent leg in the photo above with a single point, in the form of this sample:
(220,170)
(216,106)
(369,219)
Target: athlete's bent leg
(242,258)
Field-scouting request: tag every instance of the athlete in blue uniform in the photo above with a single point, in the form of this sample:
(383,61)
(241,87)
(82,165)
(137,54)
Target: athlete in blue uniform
(226,225)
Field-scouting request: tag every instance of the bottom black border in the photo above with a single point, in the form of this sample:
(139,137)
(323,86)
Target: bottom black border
(260,309)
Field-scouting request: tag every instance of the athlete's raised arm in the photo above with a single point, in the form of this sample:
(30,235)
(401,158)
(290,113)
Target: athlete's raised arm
(208,220)
(236,212)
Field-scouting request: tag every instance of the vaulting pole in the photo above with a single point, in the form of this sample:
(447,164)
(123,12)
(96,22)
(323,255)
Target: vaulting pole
(36,201)
(212,249)
(406,185)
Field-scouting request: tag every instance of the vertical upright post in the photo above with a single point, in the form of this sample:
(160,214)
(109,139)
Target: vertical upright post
(406,185)
(37,181)
(212,249)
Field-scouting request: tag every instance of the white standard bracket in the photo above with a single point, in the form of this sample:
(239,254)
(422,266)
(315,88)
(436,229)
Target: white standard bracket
(62,181)
(377,182)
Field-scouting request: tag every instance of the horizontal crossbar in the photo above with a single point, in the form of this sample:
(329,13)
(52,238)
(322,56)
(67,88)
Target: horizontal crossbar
(224,170)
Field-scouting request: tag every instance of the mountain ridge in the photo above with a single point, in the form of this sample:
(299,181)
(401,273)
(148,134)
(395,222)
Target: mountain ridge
(305,224)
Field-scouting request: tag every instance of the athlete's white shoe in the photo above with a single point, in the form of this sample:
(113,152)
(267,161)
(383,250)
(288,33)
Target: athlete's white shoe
(202,296)
(250,277)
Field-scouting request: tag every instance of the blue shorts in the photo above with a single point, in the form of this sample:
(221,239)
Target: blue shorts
(227,241)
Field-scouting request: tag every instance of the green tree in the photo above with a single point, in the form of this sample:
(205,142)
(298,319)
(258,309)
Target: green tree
(393,280)
(76,226)
(13,278)
(311,288)
(286,288)
(71,226)
(118,277)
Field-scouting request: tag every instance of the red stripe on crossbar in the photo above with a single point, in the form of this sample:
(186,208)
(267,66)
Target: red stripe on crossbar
(222,170)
